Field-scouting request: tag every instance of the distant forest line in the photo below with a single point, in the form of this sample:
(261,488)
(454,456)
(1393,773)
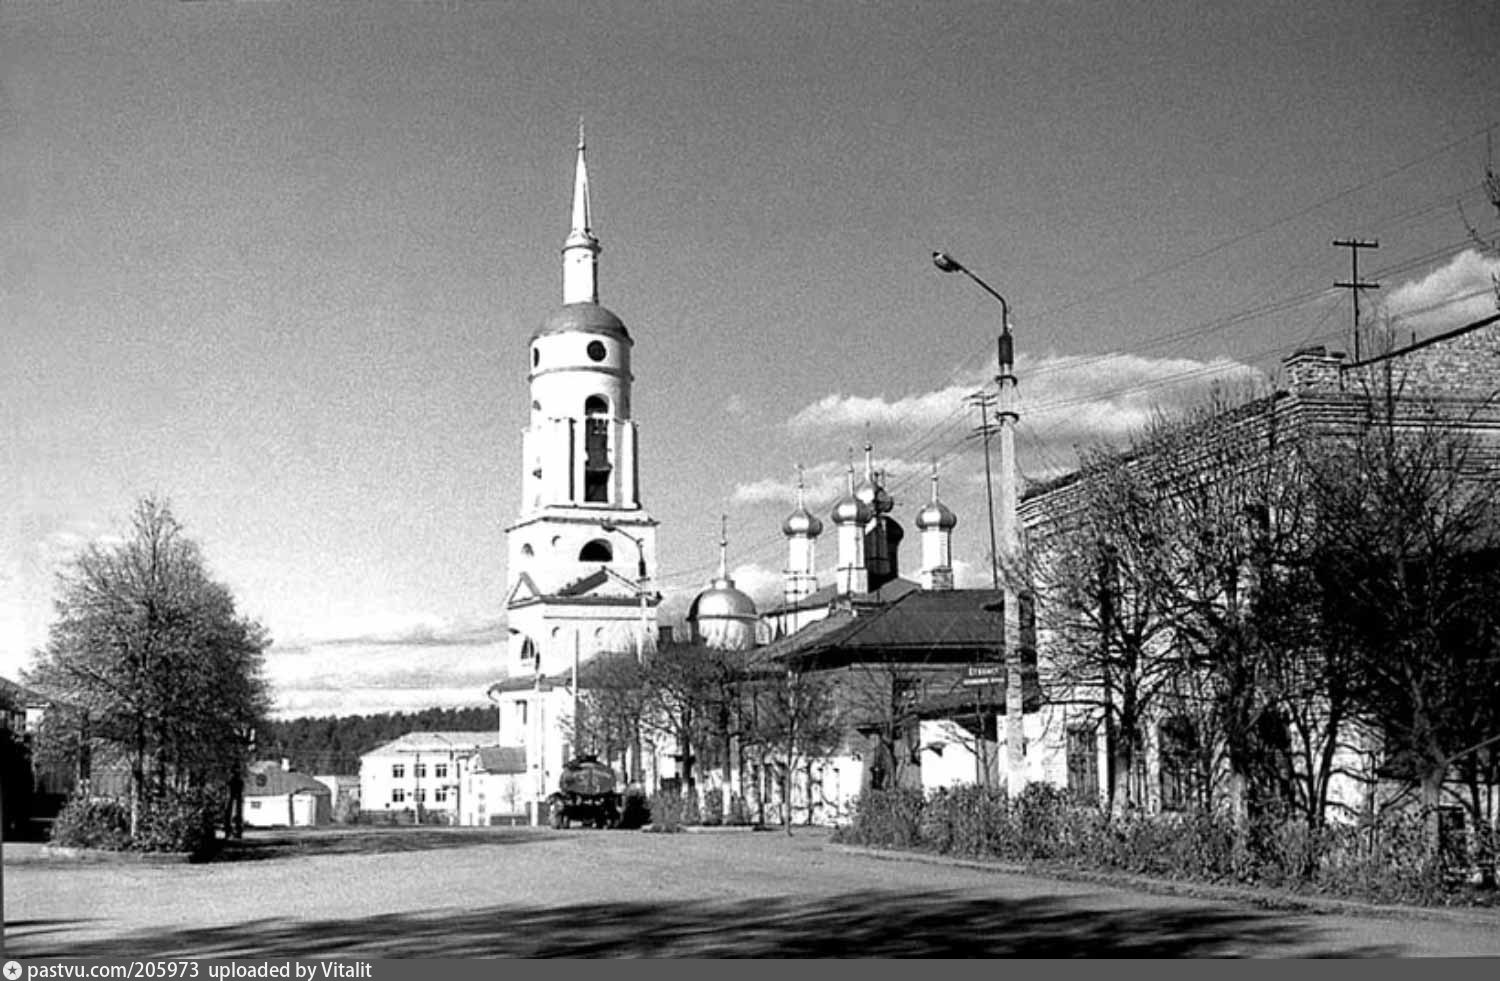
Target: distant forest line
(334,744)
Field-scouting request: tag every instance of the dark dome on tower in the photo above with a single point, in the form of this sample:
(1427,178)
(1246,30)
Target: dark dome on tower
(583,318)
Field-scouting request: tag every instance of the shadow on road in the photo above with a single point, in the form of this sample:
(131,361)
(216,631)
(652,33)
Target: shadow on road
(863,924)
(260,846)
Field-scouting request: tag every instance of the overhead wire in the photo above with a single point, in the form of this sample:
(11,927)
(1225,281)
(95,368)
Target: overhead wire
(942,432)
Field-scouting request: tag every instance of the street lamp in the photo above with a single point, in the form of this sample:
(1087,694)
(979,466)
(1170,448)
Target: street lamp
(1009,538)
(640,637)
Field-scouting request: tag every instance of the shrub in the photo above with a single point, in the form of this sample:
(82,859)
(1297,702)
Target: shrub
(886,819)
(1389,860)
(713,807)
(635,812)
(92,823)
(179,821)
(668,812)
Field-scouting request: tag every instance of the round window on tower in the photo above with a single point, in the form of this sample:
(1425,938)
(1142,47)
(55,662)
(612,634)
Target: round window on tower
(596,350)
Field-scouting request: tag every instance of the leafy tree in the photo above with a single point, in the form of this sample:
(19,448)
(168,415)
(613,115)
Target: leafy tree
(148,662)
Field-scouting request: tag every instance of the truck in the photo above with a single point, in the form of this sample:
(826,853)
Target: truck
(588,792)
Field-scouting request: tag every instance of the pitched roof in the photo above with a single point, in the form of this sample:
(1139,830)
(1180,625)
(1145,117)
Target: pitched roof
(933,626)
(438,742)
(268,779)
(887,593)
(17,697)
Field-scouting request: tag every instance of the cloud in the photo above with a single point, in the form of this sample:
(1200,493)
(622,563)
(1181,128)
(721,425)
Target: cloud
(406,629)
(759,582)
(1064,402)
(1458,293)
(347,677)
(852,413)
(374,701)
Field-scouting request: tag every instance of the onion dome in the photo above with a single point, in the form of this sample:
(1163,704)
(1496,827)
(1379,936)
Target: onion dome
(850,509)
(936,514)
(801,522)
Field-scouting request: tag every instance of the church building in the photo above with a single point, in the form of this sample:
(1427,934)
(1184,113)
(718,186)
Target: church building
(582,549)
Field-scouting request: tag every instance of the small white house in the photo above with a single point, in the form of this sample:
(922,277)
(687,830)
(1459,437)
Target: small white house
(495,787)
(277,797)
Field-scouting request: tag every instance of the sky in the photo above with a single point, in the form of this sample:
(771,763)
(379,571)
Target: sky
(278,261)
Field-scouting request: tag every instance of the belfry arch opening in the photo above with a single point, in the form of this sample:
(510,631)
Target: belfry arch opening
(597,550)
(596,465)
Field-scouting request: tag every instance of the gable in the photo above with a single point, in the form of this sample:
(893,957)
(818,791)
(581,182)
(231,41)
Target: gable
(524,591)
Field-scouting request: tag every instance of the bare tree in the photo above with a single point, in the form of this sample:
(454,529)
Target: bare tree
(1408,535)
(1105,575)
(793,721)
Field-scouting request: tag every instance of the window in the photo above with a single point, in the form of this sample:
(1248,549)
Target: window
(255,805)
(420,796)
(536,356)
(420,771)
(398,771)
(521,712)
(440,795)
(440,771)
(596,466)
(596,350)
(1083,762)
(398,796)
(597,550)
(1178,754)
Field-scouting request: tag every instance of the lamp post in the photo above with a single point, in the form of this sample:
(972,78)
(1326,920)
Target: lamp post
(640,582)
(1009,539)
(640,637)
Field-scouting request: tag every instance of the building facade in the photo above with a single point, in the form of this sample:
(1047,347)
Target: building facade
(1448,383)
(418,776)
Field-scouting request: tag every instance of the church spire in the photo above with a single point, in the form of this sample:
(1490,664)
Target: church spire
(724,547)
(581,250)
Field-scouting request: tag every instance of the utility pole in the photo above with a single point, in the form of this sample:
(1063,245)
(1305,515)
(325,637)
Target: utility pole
(984,400)
(1010,542)
(1355,284)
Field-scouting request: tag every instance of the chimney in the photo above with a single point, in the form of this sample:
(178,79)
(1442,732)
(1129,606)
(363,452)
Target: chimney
(1314,369)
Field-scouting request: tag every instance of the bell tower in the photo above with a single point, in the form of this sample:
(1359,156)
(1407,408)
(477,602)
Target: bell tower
(582,551)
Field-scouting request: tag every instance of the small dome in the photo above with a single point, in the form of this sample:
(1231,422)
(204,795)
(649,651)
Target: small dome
(722,601)
(583,318)
(802,522)
(936,515)
(851,510)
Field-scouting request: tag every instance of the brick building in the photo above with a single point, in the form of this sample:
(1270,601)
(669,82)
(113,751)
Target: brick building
(1450,381)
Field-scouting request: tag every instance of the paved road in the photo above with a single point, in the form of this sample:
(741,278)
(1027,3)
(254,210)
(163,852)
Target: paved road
(525,892)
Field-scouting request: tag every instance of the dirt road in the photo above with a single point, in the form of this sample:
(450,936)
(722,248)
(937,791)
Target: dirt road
(525,892)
